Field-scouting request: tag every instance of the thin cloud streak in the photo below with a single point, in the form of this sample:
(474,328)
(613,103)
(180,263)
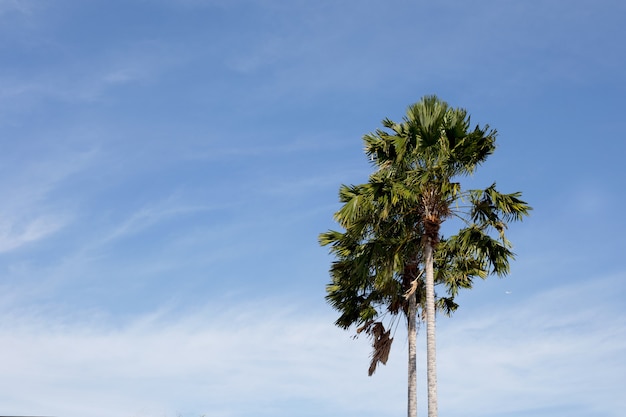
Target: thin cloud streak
(29,213)
(14,235)
(21,6)
(153,214)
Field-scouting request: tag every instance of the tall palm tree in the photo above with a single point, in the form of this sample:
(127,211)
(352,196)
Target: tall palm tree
(391,254)
(426,153)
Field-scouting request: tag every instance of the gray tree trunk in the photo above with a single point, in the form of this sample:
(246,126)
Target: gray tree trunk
(412,327)
(431,362)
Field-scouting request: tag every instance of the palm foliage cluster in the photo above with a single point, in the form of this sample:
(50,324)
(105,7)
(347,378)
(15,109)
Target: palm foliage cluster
(390,254)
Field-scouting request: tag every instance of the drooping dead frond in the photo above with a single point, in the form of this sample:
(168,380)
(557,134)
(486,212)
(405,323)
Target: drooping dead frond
(381,345)
(411,289)
(413,286)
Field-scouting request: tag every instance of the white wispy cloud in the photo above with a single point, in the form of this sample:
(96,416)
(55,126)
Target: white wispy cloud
(247,359)
(14,235)
(91,78)
(559,348)
(30,212)
(152,214)
(21,6)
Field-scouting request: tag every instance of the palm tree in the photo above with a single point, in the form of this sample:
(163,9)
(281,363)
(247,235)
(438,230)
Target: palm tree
(434,146)
(392,229)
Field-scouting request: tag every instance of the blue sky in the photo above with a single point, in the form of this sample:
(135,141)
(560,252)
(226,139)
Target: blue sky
(167,165)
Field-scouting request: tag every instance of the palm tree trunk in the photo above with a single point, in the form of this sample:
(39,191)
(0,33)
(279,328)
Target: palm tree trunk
(431,363)
(412,326)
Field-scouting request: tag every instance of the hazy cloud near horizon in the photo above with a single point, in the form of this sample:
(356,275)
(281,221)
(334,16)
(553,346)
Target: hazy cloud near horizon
(494,360)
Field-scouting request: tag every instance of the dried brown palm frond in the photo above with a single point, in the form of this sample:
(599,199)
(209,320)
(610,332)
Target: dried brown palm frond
(381,345)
